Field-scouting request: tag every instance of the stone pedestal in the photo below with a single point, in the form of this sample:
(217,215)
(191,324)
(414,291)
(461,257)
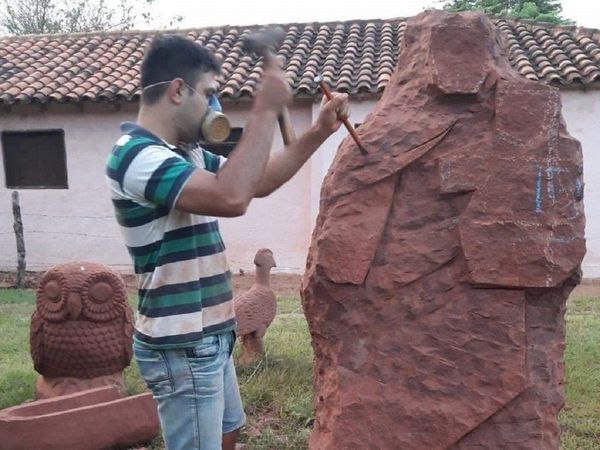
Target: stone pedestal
(48,387)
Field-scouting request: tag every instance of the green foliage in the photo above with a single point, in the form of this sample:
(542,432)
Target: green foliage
(540,10)
(68,16)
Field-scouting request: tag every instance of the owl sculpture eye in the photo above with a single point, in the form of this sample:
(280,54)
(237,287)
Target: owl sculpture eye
(101,298)
(101,292)
(52,291)
(51,297)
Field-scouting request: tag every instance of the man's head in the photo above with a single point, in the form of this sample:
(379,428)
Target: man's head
(178,78)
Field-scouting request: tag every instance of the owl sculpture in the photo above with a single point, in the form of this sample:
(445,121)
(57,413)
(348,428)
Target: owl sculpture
(81,328)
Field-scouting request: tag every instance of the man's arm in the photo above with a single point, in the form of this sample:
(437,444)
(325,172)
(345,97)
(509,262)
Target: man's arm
(284,164)
(228,193)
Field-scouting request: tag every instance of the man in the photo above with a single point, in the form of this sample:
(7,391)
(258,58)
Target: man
(165,198)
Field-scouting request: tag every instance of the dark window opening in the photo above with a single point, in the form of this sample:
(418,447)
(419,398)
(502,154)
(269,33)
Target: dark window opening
(226,147)
(35,159)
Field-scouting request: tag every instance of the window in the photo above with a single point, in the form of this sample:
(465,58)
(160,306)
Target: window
(225,148)
(35,159)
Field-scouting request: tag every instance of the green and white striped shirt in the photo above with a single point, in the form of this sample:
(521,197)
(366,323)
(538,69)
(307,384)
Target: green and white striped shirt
(184,282)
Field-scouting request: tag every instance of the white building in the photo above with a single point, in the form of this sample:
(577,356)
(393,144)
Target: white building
(62,98)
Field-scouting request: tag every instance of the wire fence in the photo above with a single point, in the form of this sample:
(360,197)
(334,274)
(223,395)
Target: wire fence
(36,229)
(63,216)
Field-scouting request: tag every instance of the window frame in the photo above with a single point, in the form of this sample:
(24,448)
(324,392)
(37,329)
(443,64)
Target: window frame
(10,181)
(236,132)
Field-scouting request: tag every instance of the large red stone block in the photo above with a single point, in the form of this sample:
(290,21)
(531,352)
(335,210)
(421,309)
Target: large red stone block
(440,264)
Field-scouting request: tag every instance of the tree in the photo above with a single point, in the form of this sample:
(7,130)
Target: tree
(541,10)
(69,16)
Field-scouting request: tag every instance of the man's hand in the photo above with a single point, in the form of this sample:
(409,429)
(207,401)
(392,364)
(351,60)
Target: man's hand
(274,92)
(283,165)
(332,113)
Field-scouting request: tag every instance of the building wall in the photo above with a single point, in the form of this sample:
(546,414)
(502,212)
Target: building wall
(281,221)
(581,111)
(66,224)
(78,223)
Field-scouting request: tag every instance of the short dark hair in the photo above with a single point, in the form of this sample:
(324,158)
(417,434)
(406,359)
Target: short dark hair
(171,56)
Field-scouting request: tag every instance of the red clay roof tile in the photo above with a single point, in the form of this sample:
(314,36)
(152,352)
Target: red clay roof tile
(353,56)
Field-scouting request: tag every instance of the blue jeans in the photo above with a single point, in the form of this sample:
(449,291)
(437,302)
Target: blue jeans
(196,391)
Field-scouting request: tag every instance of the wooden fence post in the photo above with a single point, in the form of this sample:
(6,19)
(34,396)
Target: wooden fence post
(18,227)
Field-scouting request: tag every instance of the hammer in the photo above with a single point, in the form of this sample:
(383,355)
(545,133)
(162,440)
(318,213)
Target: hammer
(260,43)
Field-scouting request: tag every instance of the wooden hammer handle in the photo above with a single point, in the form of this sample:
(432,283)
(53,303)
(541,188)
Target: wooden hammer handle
(285,122)
(285,126)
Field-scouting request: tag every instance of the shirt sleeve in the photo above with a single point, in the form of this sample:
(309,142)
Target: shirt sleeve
(157,175)
(213,162)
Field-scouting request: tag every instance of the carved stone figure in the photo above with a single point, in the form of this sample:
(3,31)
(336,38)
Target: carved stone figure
(81,330)
(255,309)
(441,261)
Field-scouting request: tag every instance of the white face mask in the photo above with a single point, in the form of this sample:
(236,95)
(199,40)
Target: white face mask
(215,126)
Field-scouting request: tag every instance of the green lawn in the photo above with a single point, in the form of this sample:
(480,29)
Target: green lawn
(277,390)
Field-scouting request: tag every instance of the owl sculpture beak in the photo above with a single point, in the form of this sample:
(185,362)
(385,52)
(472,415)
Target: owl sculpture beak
(74,305)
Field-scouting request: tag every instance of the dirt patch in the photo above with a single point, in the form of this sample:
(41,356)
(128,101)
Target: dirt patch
(589,288)
(283,284)
(30,281)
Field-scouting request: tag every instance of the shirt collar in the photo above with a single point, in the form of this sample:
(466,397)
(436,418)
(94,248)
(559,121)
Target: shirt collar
(133,129)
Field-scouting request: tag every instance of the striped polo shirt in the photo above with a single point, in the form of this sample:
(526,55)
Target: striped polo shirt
(184,282)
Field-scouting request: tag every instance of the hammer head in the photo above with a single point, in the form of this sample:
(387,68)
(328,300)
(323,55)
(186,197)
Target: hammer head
(262,42)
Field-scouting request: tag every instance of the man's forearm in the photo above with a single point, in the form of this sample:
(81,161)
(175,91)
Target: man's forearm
(284,164)
(244,170)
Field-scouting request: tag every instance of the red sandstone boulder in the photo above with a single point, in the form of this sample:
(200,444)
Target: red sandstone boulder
(440,264)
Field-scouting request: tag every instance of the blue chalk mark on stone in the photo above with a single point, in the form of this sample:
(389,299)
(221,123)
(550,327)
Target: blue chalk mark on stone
(538,191)
(550,172)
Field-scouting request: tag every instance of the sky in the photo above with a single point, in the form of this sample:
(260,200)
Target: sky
(248,12)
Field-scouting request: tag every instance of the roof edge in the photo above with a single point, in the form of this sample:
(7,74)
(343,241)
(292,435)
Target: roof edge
(151,32)
(191,29)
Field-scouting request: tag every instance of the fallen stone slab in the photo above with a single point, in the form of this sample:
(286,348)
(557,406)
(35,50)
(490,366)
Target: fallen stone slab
(95,419)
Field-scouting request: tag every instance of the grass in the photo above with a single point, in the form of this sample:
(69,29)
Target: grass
(277,391)
(17,377)
(580,419)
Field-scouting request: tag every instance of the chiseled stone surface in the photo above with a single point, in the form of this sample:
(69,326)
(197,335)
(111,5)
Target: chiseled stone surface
(440,264)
